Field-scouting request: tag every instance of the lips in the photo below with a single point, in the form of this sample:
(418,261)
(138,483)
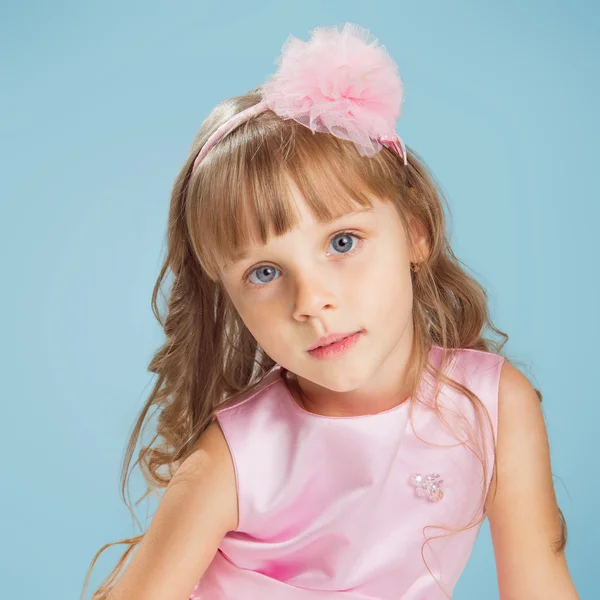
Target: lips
(330,339)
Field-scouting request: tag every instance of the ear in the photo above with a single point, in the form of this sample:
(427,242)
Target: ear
(419,250)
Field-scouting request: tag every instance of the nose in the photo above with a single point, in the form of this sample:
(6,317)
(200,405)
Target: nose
(314,293)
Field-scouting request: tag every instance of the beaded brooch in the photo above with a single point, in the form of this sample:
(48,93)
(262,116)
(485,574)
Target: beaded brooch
(429,486)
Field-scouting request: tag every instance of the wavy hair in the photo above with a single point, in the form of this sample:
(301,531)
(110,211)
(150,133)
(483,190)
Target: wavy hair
(208,355)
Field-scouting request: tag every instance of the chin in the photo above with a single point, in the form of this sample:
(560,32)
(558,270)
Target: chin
(345,378)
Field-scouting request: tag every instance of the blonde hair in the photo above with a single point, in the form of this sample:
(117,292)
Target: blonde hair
(209,356)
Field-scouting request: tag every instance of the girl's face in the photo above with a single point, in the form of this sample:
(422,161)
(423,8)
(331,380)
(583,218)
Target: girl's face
(352,274)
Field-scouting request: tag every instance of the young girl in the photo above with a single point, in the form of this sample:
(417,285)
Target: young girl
(332,422)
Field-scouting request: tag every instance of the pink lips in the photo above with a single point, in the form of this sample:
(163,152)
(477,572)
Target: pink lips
(330,338)
(338,345)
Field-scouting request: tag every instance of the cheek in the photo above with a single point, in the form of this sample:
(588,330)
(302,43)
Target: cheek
(249,312)
(387,285)
(255,315)
(261,320)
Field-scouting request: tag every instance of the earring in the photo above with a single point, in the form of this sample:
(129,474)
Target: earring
(414,267)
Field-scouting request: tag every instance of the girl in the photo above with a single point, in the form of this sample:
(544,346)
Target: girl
(332,422)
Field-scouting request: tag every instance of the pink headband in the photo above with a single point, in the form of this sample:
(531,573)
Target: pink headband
(338,83)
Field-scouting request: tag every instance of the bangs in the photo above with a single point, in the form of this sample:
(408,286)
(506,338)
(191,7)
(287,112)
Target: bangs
(242,197)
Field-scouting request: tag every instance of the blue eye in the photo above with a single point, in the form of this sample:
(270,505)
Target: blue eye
(265,273)
(346,241)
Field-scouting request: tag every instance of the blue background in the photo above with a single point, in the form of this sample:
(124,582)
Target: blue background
(100,103)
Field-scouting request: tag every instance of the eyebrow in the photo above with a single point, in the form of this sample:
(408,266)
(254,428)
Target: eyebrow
(243,254)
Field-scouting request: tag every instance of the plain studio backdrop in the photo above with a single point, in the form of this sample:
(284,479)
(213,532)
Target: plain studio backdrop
(100,102)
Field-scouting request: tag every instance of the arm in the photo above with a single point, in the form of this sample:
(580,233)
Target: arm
(198,507)
(524,516)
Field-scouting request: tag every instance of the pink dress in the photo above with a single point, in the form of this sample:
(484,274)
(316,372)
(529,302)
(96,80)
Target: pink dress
(329,507)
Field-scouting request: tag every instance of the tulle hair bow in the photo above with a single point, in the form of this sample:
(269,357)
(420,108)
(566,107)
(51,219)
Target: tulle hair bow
(341,82)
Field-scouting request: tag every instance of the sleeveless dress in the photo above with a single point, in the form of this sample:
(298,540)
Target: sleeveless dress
(329,507)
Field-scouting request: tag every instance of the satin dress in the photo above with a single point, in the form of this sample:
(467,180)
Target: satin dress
(342,507)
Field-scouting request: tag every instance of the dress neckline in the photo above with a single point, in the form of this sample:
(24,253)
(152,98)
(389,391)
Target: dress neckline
(434,349)
(291,400)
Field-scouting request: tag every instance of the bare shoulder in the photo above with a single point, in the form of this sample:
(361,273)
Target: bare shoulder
(519,405)
(210,459)
(523,454)
(524,516)
(197,509)
(208,475)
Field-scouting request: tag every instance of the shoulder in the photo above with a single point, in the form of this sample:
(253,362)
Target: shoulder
(245,399)
(210,452)
(522,454)
(521,424)
(479,361)
(525,520)
(477,370)
(465,364)
(516,393)
(196,511)
(209,472)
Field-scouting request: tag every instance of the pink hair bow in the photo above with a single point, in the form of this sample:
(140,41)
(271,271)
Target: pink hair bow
(338,82)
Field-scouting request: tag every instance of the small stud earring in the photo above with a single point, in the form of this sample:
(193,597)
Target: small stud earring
(415,267)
